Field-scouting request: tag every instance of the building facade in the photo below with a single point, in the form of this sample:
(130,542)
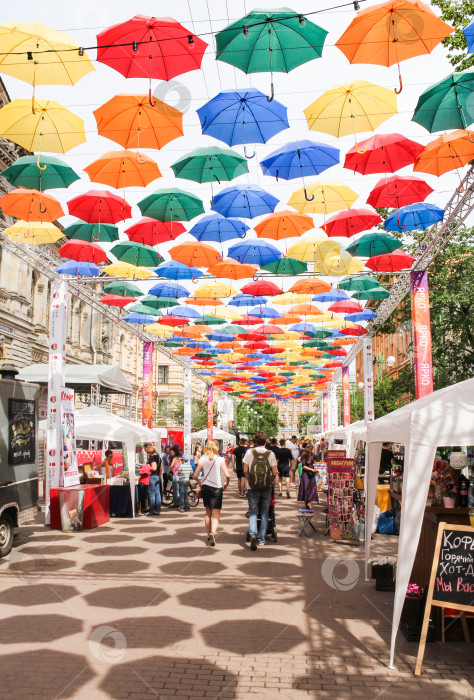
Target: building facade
(289,413)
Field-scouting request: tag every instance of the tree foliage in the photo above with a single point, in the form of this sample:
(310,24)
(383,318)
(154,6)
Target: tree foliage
(305,418)
(174,413)
(389,394)
(458,13)
(265,417)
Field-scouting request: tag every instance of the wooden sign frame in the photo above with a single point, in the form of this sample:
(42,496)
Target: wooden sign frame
(437,603)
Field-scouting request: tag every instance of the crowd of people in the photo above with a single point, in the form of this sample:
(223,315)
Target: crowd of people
(263,467)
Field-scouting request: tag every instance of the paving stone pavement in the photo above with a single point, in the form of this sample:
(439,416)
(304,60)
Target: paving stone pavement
(142,609)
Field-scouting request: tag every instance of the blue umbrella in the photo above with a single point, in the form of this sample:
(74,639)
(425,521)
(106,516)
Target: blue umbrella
(173,270)
(244,202)
(414,217)
(214,227)
(257,356)
(220,337)
(300,159)
(166,289)
(331,296)
(256,252)
(266,312)
(246,300)
(303,327)
(184,312)
(78,269)
(139,318)
(201,344)
(469,34)
(365,315)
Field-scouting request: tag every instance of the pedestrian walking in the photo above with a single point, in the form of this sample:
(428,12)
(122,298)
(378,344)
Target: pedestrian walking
(260,468)
(292,445)
(154,480)
(185,472)
(174,468)
(237,457)
(212,488)
(284,460)
(308,490)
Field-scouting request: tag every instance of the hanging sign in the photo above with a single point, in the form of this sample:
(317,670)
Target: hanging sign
(69,470)
(147,389)
(346,397)
(368,380)
(341,484)
(187,412)
(420,313)
(210,411)
(452,576)
(325,412)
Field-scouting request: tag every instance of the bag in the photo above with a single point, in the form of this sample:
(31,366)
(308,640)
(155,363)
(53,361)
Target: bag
(300,469)
(260,472)
(386,525)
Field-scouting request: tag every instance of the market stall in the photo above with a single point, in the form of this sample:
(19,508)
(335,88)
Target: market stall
(441,418)
(217,434)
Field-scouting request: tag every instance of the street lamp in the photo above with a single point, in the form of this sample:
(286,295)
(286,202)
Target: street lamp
(360,385)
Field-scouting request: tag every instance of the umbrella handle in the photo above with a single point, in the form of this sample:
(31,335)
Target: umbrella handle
(272,94)
(138,159)
(254,277)
(308,199)
(152,102)
(469,135)
(38,165)
(398,222)
(397,91)
(357,149)
(247,156)
(42,211)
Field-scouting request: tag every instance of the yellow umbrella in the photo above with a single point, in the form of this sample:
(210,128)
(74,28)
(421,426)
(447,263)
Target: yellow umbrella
(350,108)
(290,298)
(123,269)
(158,330)
(323,197)
(33,232)
(288,344)
(337,323)
(40,55)
(49,128)
(225,312)
(342,264)
(215,290)
(314,249)
(325,316)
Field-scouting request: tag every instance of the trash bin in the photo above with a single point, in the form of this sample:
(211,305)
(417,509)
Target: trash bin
(71,506)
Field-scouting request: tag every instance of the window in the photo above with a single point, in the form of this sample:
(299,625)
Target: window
(163,374)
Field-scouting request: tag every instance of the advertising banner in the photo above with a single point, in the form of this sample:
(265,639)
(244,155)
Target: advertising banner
(229,412)
(341,486)
(147,389)
(221,411)
(368,379)
(57,366)
(334,408)
(187,413)
(346,397)
(69,472)
(21,432)
(325,412)
(420,313)
(210,412)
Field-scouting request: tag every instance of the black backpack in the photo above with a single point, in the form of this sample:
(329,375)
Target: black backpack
(260,471)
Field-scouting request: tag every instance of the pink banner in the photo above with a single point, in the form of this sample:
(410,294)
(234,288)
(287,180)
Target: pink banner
(210,411)
(147,391)
(325,412)
(346,397)
(420,314)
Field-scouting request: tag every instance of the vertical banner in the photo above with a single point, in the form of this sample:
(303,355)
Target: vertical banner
(187,413)
(56,373)
(229,412)
(147,389)
(334,411)
(221,419)
(341,487)
(210,411)
(325,412)
(420,314)
(368,380)
(346,397)
(70,473)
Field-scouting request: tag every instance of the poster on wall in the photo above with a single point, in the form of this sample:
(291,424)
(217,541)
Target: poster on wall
(341,485)
(21,432)
(70,472)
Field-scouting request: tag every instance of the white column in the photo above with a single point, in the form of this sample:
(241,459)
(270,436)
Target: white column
(187,412)
(368,380)
(334,411)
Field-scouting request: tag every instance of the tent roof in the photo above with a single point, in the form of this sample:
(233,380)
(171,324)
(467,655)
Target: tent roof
(95,423)
(441,418)
(217,433)
(109,377)
(357,429)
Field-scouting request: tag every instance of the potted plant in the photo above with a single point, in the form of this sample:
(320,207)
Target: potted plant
(413,610)
(449,490)
(383,571)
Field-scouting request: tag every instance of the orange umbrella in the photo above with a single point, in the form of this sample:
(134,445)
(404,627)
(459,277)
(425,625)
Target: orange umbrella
(344,341)
(31,205)
(186,352)
(193,331)
(195,254)
(391,32)
(232,270)
(288,320)
(304,310)
(203,301)
(310,286)
(123,169)
(447,152)
(284,224)
(133,122)
(229,345)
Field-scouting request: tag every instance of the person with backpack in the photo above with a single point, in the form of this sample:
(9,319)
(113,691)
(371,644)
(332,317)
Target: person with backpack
(260,469)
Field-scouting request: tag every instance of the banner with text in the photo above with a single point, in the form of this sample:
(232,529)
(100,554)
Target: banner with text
(70,473)
(188,397)
(210,412)
(346,397)
(147,389)
(420,313)
(325,412)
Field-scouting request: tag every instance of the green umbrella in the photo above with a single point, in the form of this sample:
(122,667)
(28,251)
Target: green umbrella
(234,329)
(270,41)
(153,302)
(317,375)
(137,254)
(170,344)
(359,283)
(318,334)
(93,233)
(53,173)
(372,294)
(210,321)
(286,266)
(143,309)
(210,164)
(373,244)
(448,104)
(317,343)
(171,205)
(124,289)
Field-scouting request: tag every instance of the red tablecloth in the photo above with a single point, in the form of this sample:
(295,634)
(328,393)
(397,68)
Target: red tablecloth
(96,506)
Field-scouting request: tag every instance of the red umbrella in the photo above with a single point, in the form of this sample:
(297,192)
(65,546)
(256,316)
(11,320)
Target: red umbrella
(382,153)
(170,320)
(273,351)
(353,330)
(82,251)
(257,345)
(261,288)
(390,262)
(257,337)
(247,320)
(398,191)
(151,232)
(345,307)
(100,207)
(351,221)
(116,300)
(269,329)
(338,353)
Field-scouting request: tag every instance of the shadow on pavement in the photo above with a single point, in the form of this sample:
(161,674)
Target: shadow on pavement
(145,631)
(253,636)
(192,568)
(37,628)
(62,674)
(37,594)
(125,597)
(225,598)
(116,566)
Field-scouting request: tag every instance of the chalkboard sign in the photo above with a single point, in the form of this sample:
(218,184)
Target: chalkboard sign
(452,576)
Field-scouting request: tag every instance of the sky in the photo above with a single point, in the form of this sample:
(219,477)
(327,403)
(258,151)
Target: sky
(85,18)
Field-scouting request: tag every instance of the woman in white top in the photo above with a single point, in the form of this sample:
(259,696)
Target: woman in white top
(211,486)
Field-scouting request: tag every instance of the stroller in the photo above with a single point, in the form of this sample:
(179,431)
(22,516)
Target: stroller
(271,528)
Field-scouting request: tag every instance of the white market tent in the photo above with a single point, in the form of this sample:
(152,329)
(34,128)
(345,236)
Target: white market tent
(444,417)
(350,434)
(109,378)
(217,434)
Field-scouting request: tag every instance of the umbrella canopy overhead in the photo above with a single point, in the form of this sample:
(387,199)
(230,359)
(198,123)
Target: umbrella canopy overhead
(33,233)
(94,233)
(243,201)
(218,229)
(31,205)
(232,269)
(254,252)
(414,217)
(123,169)
(447,104)
(351,221)
(174,270)
(151,231)
(171,205)
(300,159)
(323,197)
(53,173)
(371,244)
(398,190)
(100,206)
(210,164)
(447,152)
(382,153)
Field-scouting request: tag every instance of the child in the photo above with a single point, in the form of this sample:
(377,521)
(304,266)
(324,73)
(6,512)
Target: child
(184,474)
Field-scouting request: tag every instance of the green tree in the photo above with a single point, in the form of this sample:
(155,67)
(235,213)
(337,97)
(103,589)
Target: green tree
(258,415)
(305,418)
(458,13)
(175,413)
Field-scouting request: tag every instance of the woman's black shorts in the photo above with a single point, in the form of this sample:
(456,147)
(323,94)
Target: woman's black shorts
(212,497)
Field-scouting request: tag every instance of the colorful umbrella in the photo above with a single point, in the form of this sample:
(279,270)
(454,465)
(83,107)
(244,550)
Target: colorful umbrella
(151,231)
(469,34)
(348,223)
(284,224)
(270,41)
(342,264)
(123,169)
(314,248)
(448,104)
(210,164)
(323,197)
(171,205)
(447,152)
(215,290)
(178,271)
(382,153)
(372,294)
(99,206)
(286,266)
(300,159)
(247,300)
(133,122)
(256,252)
(141,308)
(366,315)
(346,306)
(371,244)
(123,269)
(331,296)
(52,173)
(261,288)
(31,205)
(139,318)
(136,254)
(242,116)
(310,286)
(94,233)
(360,283)
(82,251)
(231,269)
(392,32)
(33,233)
(116,300)
(78,269)
(166,289)
(125,289)
(392,262)
(195,254)
(414,217)
(243,201)
(218,229)
(398,190)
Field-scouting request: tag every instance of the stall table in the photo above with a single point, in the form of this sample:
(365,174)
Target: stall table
(120,500)
(96,506)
